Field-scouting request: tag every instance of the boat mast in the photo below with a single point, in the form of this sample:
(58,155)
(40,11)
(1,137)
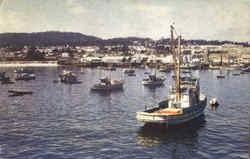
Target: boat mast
(178,90)
(176,64)
(173,46)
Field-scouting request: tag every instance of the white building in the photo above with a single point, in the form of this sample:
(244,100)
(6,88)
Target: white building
(112,59)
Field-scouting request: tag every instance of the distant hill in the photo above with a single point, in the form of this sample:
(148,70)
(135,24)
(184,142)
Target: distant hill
(46,39)
(52,38)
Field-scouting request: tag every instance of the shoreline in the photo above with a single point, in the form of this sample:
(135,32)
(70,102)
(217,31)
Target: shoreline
(29,64)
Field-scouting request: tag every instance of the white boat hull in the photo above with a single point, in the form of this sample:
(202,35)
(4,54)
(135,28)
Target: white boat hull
(147,117)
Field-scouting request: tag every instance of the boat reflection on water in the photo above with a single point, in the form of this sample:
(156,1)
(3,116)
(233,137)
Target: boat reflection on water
(155,135)
(152,89)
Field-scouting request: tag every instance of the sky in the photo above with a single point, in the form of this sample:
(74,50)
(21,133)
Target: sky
(194,19)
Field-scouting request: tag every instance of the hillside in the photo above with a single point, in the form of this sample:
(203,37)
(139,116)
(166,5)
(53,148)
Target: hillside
(46,39)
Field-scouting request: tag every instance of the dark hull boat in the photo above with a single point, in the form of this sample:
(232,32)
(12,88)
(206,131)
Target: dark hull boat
(19,93)
(220,76)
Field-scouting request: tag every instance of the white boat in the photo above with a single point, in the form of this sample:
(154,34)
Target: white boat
(153,80)
(246,69)
(69,77)
(106,84)
(184,103)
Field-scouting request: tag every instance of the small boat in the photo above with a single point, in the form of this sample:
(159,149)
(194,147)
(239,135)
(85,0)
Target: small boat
(236,74)
(25,76)
(220,76)
(153,80)
(7,80)
(131,74)
(69,77)
(242,72)
(22,70)
(106,84)
(127,71)
(19,93)
(211,67)
(186,71)
(213,102)
(236,67)
(184,103)
(246,69)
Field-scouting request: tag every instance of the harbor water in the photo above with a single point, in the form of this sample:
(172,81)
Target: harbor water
(62,121)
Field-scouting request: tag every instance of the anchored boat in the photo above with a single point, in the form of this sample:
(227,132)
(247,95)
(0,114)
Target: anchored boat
(69,77)
(246,69)
(184,103)
(106,84)
(153,80)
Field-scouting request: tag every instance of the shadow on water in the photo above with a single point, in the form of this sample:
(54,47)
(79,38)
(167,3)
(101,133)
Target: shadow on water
(101,93)
(107,93)
(154,88)
(154,135)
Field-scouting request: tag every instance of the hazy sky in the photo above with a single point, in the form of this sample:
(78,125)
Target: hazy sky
(194,19)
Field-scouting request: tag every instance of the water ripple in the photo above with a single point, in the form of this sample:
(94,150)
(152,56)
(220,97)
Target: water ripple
(68,121)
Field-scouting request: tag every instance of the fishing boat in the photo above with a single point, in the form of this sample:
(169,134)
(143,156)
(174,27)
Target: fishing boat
(106,84)
(69,77)
(184,103)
